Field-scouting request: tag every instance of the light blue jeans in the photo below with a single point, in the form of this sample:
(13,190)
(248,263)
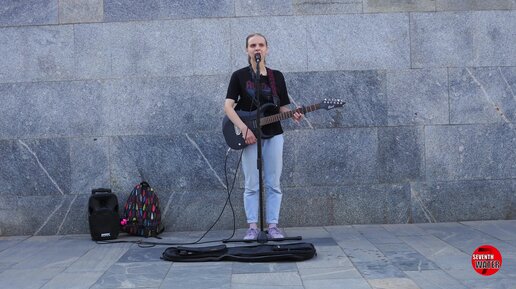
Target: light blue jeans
(272,156)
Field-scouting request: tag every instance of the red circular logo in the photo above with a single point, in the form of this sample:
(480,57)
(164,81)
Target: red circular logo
(486,260)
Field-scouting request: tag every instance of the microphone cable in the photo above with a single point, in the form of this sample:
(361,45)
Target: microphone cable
(147,244)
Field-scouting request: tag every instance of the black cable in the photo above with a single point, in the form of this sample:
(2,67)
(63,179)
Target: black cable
(146,244)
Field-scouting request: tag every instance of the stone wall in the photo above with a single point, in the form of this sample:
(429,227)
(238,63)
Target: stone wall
(104,93)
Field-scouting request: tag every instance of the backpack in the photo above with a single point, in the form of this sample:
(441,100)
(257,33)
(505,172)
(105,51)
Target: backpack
(142,214)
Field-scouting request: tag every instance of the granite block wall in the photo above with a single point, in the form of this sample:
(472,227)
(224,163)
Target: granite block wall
(105,93)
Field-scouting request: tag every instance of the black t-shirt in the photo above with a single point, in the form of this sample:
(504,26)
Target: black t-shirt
(241,90)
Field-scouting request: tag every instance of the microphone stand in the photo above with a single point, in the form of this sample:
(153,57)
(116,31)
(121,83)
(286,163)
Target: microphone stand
(262,235)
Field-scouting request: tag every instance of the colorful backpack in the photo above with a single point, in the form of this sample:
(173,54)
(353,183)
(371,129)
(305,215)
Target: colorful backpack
(142,215)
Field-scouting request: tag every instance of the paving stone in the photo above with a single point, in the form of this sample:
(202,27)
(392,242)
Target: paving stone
(99,259)
(10,241)
(261,286)
(490,284)
(28,278)
(508,269)
(467,274)
(30,247)
(362,251)
(218,267)
(376,234)
(6,265)
(308,232)
(404,229)
(129,275)
(358,283)
(430,279)
(201,282)
(327,257)
(459,236)
(321,242)
(308,274)
(378,270)
(393,283)
(442,254)
(71,280)
(425,256)
(269,267)
(271,279)
(502,231)
(60,254)
(345,233)
(137,254)
(405,258)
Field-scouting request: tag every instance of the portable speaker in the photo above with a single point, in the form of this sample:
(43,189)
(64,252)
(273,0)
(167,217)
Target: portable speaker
(103,215)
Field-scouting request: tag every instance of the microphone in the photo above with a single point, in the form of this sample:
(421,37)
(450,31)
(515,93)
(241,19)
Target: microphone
(258,57)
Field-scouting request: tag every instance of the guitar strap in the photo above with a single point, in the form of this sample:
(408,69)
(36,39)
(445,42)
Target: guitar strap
(272,82)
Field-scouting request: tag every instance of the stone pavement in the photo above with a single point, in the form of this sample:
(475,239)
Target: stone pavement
(426,256)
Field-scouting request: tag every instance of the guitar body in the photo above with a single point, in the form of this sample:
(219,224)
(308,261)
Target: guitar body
(235,138)
(232,134)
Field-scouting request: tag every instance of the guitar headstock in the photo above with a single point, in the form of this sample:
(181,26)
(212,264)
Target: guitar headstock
(331,103)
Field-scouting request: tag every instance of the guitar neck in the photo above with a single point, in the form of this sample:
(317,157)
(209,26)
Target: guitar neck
(284,115)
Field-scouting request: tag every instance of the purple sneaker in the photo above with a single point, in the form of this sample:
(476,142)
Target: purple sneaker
(275,233)
(251,234)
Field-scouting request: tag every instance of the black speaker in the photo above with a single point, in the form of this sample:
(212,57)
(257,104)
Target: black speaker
(103,215)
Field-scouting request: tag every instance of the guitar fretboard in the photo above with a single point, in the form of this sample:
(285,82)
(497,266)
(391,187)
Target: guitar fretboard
(284,115)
